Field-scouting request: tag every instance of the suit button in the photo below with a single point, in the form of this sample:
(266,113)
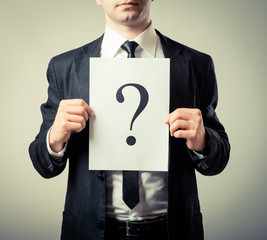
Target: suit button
(204,165)
(100,225)
(101,176)
(50,167)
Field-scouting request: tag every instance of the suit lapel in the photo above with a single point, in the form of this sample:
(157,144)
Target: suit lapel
(82,67)
(182,90)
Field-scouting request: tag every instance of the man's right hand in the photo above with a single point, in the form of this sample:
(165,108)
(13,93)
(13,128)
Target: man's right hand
(72,115)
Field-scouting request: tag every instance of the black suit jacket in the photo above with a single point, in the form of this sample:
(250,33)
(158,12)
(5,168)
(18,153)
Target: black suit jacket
(192,84)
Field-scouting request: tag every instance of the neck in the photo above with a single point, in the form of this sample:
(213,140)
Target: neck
(129,31)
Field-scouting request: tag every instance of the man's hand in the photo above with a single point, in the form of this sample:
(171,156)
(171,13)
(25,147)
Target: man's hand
(72,115)
(188,123)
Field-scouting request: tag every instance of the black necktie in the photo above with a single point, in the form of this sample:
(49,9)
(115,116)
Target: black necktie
(130,189)
(129,47)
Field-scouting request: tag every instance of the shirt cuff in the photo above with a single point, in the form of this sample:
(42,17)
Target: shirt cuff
(199,155)
(196,156)
(55,155)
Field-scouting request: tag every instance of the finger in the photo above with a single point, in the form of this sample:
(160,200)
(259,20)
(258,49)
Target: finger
(179,114)
(166,119)
(81,103)
(74,102)
(86,107)
(179,124)
(183,133)
(74,126)
(76,119)
(89,111)
(183,113)
(78,110)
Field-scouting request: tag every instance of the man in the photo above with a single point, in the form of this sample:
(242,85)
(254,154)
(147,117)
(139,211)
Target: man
(168,206)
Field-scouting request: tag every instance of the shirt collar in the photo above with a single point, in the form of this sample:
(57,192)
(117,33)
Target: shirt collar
(148,40)
(112,42)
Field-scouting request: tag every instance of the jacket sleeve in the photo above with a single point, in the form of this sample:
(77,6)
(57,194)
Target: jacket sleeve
(218,147)
(46,165)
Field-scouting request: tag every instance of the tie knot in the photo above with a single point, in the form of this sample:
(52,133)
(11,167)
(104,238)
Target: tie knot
(129,47)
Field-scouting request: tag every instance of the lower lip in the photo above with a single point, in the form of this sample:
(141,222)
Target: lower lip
(128,5)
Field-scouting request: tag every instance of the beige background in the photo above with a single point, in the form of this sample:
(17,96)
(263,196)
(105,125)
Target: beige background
(233,32)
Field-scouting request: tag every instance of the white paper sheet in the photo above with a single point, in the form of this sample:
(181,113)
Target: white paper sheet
(108,149)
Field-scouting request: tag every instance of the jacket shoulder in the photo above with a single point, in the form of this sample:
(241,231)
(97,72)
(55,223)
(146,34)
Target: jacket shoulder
(83,51)
(189,53)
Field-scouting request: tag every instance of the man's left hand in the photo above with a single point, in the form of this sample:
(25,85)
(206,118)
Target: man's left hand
(187,123)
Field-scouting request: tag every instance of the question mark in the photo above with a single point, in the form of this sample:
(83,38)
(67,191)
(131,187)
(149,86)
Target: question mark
(143,102)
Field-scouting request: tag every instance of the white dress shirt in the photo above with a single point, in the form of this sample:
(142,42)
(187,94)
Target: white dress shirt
(152,185)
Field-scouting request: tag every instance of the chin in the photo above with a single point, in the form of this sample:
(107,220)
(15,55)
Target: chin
(130,19)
